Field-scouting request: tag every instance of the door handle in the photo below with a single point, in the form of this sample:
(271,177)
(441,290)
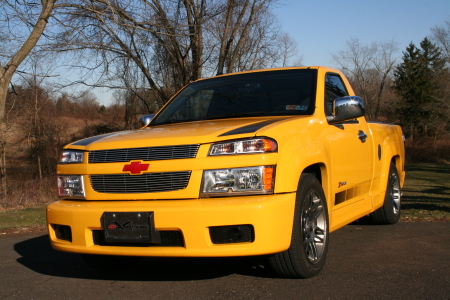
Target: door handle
(362,136)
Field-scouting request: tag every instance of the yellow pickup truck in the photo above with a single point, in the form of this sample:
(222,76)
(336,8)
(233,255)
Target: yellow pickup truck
(265,162)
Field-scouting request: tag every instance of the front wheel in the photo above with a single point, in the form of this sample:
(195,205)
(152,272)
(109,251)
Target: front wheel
(309,243)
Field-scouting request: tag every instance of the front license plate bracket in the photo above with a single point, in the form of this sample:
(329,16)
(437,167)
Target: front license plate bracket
(130,227)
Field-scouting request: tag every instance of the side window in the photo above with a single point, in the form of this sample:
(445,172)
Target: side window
(334,88)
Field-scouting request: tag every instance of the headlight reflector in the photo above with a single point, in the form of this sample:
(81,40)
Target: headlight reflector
(228,182)
(71,157)
(256,145)
(70,186)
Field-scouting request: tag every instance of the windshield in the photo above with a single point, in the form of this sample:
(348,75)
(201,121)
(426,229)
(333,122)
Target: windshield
(269,93)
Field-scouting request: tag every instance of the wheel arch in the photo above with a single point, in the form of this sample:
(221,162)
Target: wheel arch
(393,150)
(320,171)
(392,154)
(379,187)
(400,165)
(389,211)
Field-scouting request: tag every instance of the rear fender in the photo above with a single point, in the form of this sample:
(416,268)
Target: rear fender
(392,152)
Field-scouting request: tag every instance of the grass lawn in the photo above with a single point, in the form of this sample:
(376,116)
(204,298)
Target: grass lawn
(426,194)
(426,197)
(22,220)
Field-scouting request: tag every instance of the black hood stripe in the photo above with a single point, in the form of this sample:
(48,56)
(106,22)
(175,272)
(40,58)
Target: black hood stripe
(252,127)
(90,140)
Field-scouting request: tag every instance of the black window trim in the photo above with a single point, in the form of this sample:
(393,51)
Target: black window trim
(325,89)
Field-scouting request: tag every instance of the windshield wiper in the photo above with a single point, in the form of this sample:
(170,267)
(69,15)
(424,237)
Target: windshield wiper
(236,115)
(172,121)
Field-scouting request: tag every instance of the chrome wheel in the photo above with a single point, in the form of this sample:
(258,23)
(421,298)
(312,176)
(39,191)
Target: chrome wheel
(394,191)
(314,226)
(309,242)
(389,213)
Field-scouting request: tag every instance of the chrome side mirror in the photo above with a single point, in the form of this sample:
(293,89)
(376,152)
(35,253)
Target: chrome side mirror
(145,120)
(346,108)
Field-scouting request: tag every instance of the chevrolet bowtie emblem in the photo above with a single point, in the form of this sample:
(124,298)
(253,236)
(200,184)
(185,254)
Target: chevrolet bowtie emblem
(135,167)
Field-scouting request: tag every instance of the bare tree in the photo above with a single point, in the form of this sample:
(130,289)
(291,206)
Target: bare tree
(35,16)
(240,17)
(441,36)
(288,50)
(164,39)
(171,42)
(369,68)
(9,65)
(249,38)
(137,101)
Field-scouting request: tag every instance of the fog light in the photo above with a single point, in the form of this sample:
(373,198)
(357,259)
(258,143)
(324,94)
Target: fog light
(232,234)
(235,234)
(70,186)
(62,232)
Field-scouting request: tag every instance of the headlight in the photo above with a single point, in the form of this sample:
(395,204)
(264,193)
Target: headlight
(229,182)
(256,145)
(70,186)
(71,157)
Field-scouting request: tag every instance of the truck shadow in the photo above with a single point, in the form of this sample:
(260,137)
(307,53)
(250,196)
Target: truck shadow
(38,255)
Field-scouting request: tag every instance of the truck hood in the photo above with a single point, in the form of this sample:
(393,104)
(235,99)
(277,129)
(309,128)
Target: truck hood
(199,132)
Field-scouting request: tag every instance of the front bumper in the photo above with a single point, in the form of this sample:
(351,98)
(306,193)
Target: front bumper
(270,215)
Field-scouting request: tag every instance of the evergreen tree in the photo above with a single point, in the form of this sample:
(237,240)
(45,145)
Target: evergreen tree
(418,80)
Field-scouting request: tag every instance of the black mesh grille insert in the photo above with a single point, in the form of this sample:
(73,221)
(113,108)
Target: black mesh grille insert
(232,234)
(145,183)
(62,232)
(144,153)
(168,239)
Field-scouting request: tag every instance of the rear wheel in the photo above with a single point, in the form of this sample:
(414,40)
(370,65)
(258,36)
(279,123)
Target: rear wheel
(309,243)
(110,263)
(389,213)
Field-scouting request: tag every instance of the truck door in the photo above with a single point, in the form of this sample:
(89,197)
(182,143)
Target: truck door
(350,155)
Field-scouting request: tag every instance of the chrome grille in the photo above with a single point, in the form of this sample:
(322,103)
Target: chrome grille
(145,183)
(143,153)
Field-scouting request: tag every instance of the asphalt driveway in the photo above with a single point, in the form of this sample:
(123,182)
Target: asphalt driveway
(403,261)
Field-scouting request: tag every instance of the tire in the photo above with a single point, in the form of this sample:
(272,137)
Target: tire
(389,213)
(309,242)
(110,263)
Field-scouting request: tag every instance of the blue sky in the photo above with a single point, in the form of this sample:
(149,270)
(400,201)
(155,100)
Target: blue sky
(322,27)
